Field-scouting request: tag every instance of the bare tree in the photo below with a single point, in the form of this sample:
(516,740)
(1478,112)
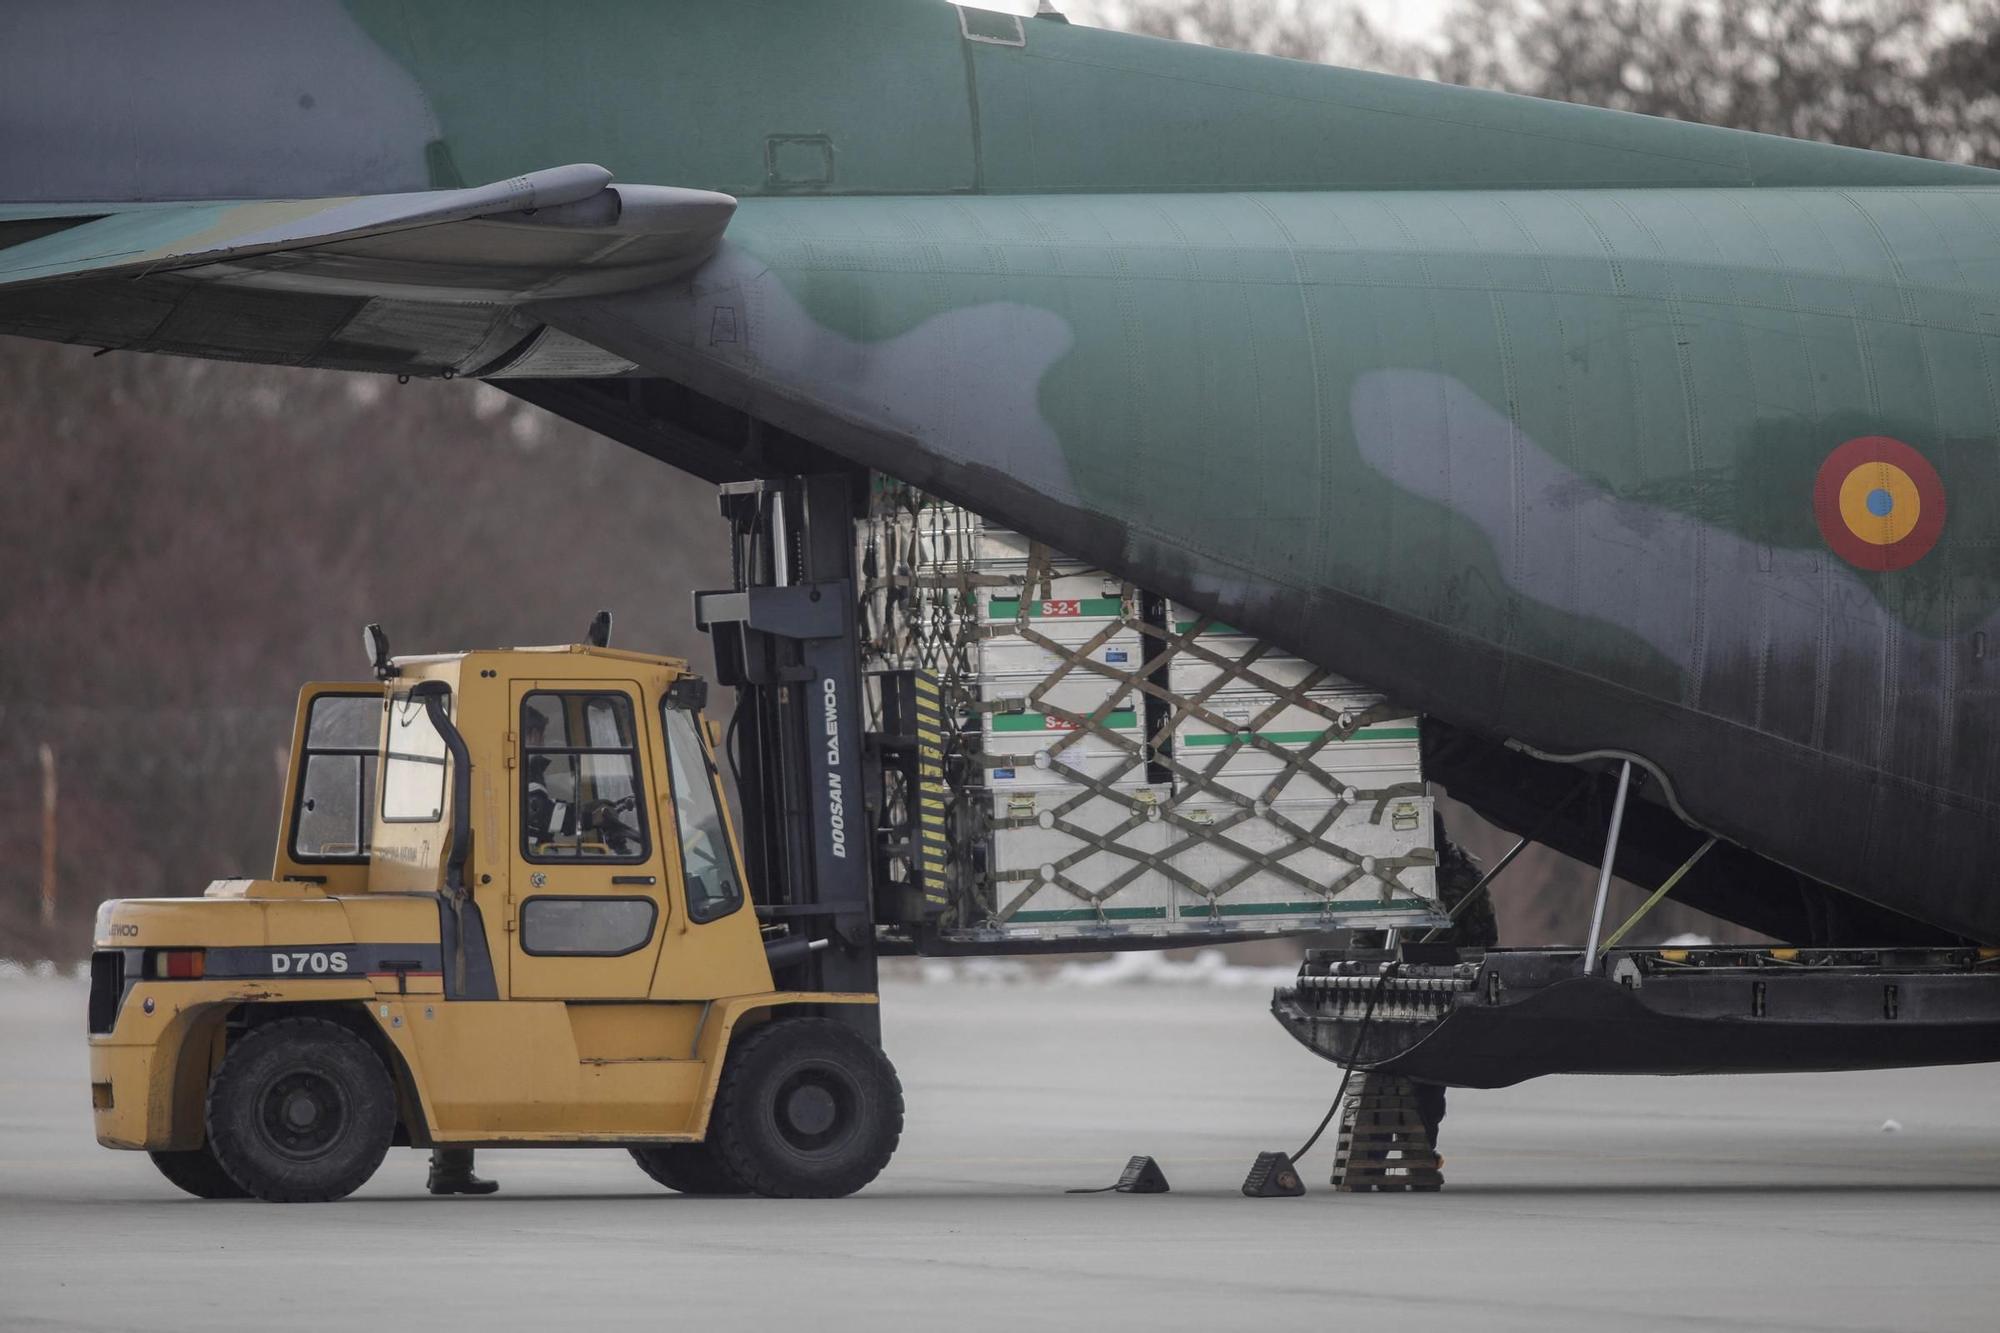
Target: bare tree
(1903,76)
(188,541)
(1297,29)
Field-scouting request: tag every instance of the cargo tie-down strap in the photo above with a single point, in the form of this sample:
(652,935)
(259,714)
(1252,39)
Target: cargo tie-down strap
(922,606)
(917,581)
(1192,779)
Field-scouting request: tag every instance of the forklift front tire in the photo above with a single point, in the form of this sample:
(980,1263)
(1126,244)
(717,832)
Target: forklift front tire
(689,1168)
(301,1111)
(196,1171)
(807,1109)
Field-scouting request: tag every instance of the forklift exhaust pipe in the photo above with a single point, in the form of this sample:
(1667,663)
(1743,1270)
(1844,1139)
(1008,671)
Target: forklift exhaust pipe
(791,950)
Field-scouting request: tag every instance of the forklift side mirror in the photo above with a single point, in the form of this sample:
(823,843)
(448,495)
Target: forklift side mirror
(376,644)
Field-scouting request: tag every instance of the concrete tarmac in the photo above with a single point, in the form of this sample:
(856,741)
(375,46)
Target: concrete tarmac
(1768,1203)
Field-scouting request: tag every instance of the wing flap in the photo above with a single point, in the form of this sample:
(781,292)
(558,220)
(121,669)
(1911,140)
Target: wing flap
(563,231)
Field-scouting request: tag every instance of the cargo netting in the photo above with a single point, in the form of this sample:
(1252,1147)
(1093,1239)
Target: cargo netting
(1111,759)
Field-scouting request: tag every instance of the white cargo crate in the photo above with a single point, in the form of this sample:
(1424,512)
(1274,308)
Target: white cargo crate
(1261,776)
(1082,865)
(1022,750)
(1376,758)
(1009,656)
(1189,674)
(1215,843)
(942,541)
(1080,693)
(1078,600)
(1094,628)
(1048,867)
(1377,755)
(936,539)
(1216,636)
(1190,671)
(1001,551)
(1225,721)
(1048,594)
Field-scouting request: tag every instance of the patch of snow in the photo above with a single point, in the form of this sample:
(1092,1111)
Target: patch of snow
(528,427)
(489,402)
(1207,968)
(12,970)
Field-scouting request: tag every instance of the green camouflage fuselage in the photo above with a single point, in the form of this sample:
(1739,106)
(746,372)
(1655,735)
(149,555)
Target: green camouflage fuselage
(1519,411)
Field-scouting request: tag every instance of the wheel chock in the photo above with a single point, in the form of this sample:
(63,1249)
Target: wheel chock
(1272,1176)
(1142,1175)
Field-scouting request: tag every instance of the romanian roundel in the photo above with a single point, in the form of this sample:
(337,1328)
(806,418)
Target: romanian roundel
(1879,503)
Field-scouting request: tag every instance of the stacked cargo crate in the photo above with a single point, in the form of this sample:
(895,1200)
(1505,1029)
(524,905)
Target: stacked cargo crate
(1125,765)
(1308,784)
(1073,815)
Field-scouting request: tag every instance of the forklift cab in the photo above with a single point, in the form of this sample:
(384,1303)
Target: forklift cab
(619,842)
(599,861)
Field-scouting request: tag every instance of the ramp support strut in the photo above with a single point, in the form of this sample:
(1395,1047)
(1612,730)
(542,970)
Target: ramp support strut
(1604,867)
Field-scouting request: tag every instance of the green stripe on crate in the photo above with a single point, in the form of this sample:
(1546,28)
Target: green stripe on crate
(1305,737)
(1009,608)
(1091,914)
(1122,719)
(1299,909)
(1226,909)
(1214,627)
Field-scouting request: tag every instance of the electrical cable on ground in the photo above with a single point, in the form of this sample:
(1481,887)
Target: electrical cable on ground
(1347,1072)
(1340,1093)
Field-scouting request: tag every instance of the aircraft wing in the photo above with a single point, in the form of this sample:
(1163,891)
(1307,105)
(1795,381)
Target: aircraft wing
(562,231)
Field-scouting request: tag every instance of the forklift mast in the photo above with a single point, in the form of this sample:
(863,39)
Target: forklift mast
(785,639)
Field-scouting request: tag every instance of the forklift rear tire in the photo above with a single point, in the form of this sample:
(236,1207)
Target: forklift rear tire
(689,1168)
(301,1111)
(196,1171)
(807,1109)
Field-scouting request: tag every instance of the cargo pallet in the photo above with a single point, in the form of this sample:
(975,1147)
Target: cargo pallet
(1119,769)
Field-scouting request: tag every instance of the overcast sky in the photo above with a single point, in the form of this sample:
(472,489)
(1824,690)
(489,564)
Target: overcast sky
(1405,18)
(1402,18)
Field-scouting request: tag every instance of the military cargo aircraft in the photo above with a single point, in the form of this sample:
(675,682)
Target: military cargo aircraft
(1588,434)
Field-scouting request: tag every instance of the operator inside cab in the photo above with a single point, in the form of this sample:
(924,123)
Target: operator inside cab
(548,818)
(574,804)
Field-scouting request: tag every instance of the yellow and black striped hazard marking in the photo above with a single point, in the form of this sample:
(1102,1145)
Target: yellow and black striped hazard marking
(931,845)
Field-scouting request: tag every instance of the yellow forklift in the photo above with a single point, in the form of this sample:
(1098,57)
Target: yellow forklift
(509,908)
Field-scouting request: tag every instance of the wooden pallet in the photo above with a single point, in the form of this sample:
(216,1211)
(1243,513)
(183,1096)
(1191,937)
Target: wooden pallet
(1383,1144)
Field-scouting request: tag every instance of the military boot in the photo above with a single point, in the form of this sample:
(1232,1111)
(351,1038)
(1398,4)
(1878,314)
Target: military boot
(451,1173)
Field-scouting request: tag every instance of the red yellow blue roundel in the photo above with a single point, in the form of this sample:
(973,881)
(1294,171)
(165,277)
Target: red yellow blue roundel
(1879,503)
